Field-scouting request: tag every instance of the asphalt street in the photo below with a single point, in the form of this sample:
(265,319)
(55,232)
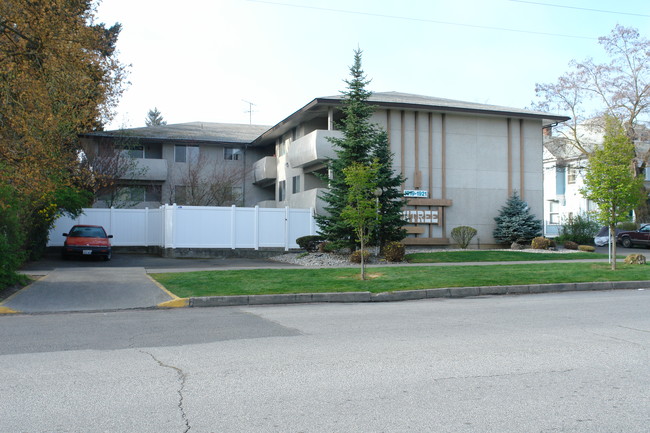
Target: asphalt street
(569,362)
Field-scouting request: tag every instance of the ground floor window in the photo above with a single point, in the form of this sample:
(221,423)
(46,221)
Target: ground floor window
(282,190)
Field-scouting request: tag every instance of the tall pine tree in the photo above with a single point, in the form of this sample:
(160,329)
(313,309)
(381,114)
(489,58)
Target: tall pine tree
(362,142)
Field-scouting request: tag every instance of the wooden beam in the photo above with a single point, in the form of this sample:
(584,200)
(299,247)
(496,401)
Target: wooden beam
(414,230)
(425,241)
(428,202)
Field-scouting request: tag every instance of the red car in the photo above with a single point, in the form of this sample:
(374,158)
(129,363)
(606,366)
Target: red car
(639,237)
(86,240)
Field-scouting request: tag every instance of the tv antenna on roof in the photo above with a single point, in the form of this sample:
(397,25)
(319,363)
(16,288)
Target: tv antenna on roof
(249,111)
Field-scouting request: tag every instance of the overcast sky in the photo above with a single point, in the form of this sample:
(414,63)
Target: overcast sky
(199,60)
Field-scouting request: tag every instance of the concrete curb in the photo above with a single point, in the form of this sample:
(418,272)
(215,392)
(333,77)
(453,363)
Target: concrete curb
(410,295)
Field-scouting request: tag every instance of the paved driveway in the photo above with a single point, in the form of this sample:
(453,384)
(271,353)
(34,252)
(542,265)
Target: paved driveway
(88,289)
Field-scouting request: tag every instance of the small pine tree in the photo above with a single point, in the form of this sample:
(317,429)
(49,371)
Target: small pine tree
(515,223)
(362,142)
(154,118)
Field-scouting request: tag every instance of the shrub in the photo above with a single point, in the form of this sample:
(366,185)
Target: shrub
(12,238)
(540,243)
(463,235)
(635,259)
(570,245)
(309,243)
(587,248)
(579,229)
(326,247)
(394,252)
(627,226)
(355,257)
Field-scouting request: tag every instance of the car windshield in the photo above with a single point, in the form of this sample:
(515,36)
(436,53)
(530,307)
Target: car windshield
(88,232)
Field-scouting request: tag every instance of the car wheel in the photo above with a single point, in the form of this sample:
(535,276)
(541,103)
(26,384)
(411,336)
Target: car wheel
(626,242)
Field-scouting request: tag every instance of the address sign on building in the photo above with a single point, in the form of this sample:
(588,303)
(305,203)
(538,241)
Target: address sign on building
(419,193)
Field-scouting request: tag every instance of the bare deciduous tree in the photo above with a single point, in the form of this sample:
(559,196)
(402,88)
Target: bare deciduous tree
(589,91)
(205,182)
(108,165)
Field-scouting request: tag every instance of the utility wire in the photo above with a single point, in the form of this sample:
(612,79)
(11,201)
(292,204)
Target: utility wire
(581,9)
(424,20)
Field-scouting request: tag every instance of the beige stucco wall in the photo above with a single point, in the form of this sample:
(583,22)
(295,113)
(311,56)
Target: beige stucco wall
(476,164)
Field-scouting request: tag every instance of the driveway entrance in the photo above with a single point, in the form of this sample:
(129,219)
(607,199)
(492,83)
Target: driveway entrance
(88,289)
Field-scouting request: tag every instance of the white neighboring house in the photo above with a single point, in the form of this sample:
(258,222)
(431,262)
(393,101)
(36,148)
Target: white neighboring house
(564,169)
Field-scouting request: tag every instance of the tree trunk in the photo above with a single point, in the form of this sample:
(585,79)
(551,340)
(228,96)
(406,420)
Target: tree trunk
(612,231)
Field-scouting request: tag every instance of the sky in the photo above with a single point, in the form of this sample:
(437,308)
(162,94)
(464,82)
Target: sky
(206,60)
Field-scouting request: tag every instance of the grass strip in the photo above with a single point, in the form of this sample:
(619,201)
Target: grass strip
(495,256)
(386,279)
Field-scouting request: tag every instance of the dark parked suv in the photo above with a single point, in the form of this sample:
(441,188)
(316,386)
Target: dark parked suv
(639,237)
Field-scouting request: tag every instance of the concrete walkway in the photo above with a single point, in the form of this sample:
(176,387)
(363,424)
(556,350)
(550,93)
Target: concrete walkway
(88,289)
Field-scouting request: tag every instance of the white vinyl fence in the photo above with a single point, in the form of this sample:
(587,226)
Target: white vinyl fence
(173,226)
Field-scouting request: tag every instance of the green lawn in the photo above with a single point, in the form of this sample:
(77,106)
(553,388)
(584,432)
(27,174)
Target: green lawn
(390,278)
(495,256)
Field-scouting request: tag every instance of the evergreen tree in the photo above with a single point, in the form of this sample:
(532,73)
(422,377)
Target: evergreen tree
(515,222)
(362,142)
(154,118)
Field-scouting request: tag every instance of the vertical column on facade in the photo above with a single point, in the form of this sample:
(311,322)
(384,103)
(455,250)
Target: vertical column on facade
(521,158)
(430,153)
(330,118)
(509,155)
(402,139)
(443,166)
(417,176)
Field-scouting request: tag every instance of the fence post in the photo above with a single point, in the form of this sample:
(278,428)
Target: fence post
(173,226)
(256,228)
(233,227)
(286,228)
(312,221)
(146,226)
(111,220)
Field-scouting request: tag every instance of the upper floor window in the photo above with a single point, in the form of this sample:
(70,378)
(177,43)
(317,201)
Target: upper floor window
(184,153)
(571,174)
(231,153)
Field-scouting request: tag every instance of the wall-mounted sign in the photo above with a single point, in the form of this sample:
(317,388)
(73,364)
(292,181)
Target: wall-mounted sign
(416,193)
(416,216)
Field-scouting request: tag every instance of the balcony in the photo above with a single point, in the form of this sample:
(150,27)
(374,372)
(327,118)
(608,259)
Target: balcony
(308,199)
(313,148)
(148,170)
(265,171)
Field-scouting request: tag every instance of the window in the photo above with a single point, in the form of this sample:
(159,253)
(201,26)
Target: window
(282,190)
(571,174)
(237,194)
(560,180)
(296,185)
(135,194)
(554,214)
(135,151)
(231,153)
(153,193)
(180,194)
(183,153)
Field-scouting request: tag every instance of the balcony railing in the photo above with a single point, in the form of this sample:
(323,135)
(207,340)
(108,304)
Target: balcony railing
(265,171)
(148,169)
(313,148)
(308,199)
